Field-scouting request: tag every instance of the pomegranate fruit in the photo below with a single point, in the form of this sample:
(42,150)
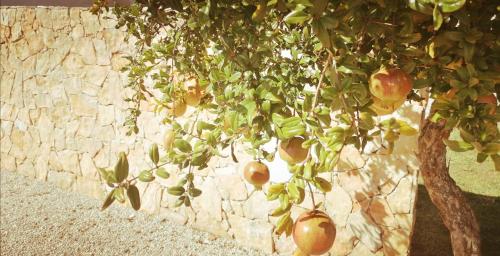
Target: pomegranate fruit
(291,150)
(314,232)
(256,173)
(193,95)
(385,108)
(390,85)
(177,108)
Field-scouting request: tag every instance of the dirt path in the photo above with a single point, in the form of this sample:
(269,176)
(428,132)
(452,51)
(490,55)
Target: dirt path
(39,219)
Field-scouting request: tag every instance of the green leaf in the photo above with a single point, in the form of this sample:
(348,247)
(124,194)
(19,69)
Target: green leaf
(180,201)
(322,184)
(251,108)
(406,129)
(162,173)
(438,18)
(146,176)
(110,198)
(420,6)
(289,132)
(103,173)
(119,194)
(451,5)
(469,50)
(348,69)
(176,191)
(309,171)
(292,126)
(154,154)
(295,192)
(107,175)
(329,22)
(496,161)
(194,192)
(321,33)
(275,190)
(202,125)
(187,202)
(296,17)
(121,167)
(491,148)
(280,211)
(283,223)
(481,157)
(234,77)
(458,146)
(183,145)
(134,197)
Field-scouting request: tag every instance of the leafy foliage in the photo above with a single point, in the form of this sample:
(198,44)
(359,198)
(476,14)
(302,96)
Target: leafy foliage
(281,69)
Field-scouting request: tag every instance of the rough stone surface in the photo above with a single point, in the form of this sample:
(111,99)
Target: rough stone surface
(366,230)
(255,233)
(62,113)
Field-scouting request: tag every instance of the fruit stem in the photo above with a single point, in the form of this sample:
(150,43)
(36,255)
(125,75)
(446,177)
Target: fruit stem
(312,195)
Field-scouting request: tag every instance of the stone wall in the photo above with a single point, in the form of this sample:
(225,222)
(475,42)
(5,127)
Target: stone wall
(62,111)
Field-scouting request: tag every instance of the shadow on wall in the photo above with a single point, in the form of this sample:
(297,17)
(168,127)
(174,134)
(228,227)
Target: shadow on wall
(431,238)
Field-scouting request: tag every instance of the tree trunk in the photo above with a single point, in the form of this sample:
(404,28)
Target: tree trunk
(455,211)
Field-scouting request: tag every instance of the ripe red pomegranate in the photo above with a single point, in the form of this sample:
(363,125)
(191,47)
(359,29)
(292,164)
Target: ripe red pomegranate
(314,232)
(385,108)
(292,151)
(390,85)
(256,173)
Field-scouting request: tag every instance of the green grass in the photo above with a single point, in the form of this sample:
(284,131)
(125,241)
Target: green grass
(481,183)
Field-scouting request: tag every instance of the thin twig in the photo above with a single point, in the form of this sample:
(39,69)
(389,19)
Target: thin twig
(312,195)
(320,82)
(156,167)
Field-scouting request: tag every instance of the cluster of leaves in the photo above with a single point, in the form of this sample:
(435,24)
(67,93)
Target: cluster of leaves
(119,180)
(279,69)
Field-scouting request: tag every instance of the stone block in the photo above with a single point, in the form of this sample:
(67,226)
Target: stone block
(70,161)
(87,167)
(232,187)
(27,169)
(344,242)
(381,213)
(338,205)
(210,201)
(83,105)
(85,49)
(63,180)
(151,198)
(103,55)
(173,216)
(8,162)
(252,233)
(256,207)
(401,200)
(366,230)
(89,187)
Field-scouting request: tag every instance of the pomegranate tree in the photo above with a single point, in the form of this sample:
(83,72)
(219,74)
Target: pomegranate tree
(312,77)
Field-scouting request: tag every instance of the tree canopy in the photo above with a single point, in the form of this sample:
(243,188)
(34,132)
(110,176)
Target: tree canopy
(305,69)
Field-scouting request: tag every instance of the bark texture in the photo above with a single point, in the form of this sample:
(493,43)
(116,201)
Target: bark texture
(455,211)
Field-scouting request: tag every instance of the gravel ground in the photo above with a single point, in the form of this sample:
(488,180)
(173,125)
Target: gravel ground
(39,219)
